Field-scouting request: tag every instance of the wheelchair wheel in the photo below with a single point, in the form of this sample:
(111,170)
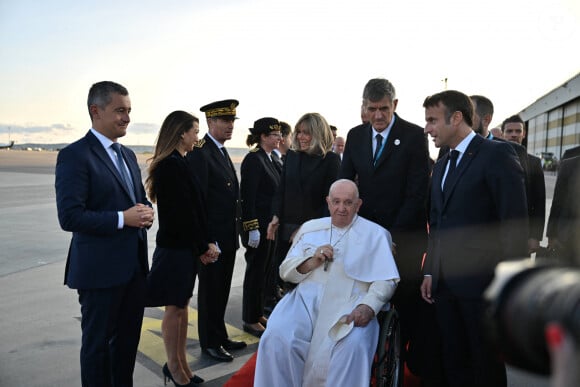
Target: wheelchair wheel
(386,370)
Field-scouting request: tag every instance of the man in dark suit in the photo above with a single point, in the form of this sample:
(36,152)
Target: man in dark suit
(469,234)
(210,163)
(564,221)
(389,159)
(513,130)
(101,200)
(571,152)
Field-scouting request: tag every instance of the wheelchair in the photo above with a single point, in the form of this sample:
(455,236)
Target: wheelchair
(387,368)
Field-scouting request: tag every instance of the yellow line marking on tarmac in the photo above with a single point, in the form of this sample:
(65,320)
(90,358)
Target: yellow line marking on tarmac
(151,344)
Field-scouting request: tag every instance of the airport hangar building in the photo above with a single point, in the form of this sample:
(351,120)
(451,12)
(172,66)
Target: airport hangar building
(553,121)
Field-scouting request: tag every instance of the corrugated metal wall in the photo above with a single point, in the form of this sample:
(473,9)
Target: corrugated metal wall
(555,130)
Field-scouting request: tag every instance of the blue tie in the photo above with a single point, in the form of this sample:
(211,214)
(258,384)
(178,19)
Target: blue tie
(379,139)
(123,171)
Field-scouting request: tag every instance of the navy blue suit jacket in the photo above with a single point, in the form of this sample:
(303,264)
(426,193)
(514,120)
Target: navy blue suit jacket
(394,191)
(482,219)
(89,193)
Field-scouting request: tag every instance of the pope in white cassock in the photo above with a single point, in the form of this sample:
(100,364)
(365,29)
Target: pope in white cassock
(325,331)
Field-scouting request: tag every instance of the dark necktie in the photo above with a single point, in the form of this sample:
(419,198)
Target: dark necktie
(453,155)
(123,171)
(277,162)
(227,156)
(379,139)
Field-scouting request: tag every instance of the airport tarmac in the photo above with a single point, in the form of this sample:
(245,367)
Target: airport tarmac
(39,316)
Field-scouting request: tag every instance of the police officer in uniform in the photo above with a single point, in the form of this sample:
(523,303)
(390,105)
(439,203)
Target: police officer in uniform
(211,165)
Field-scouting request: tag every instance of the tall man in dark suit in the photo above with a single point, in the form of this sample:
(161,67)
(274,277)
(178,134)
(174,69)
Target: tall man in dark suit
(482,116)
(210,163)
(571,152)
(469,234)
(513,130)
(101,200)
(389,159)
(564,221)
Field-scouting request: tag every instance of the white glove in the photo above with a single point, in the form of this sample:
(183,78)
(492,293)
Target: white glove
(254,239)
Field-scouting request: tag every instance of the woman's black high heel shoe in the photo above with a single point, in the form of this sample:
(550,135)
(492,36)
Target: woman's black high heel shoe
(196,379)
(168,377)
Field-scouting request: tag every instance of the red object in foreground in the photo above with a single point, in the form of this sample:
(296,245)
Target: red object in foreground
(245,376)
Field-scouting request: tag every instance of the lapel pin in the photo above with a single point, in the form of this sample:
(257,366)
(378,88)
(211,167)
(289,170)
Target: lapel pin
(397,142)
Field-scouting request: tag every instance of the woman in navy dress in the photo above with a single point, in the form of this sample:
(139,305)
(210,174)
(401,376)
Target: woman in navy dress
(181,239)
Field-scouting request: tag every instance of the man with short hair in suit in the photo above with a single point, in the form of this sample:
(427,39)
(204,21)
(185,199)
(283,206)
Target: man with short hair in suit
(210,163)
(389,159)
(100,199)
(513,129)
(478,217)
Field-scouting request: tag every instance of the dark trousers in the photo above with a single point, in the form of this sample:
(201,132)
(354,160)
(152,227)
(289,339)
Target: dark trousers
(215,280)
(407,298)
(468,359)
(273,281)
(254,279)
(111,328)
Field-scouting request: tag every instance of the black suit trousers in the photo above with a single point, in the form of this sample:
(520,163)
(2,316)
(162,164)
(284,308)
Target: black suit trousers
(215,280)
(111,327)
(468,358)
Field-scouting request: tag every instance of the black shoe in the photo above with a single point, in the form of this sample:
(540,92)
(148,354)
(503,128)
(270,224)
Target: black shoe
(268,309)
(168,377)
(196,379)
(248,328)
(219,353)
(230,344)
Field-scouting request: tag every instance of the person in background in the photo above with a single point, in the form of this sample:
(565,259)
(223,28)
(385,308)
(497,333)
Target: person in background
(468,236)
(260,180)
(564,221)
(482,117)
(339,144)
(496,132)
(279,154)
(211,165)
(101,200)
(334,131)
(325,331)
(309,170)
(272,290)
(513,130)
(389,158)
(182,238)
(571,152)
(363,114)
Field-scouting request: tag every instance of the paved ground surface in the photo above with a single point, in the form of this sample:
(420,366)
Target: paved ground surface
(39,317)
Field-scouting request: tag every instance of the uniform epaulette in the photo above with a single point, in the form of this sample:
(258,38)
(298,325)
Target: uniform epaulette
(200,143)
(253,150)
